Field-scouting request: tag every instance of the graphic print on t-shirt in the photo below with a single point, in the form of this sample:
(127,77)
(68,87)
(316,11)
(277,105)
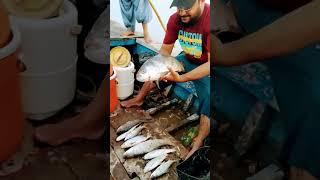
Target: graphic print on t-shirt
(191,43)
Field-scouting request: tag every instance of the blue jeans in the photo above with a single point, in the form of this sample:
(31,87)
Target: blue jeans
(202,86)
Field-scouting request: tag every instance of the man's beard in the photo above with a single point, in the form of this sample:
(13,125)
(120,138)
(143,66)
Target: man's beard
(193,20)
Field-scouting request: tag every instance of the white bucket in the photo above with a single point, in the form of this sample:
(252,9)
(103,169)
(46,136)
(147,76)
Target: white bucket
(125,90)
(45,94)
(49,53)
(50,44)
(125,75)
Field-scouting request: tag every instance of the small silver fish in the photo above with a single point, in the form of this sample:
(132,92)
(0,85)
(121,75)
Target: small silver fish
(154,163)
(134,141)
(162,169)
(134,132)
(157,152)
(128,125)
(157,66)
(123,135)
(146,147)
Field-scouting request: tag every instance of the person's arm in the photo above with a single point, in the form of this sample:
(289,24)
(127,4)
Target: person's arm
(197,73)
(204,131)
(5,26)
(286,35)
(166,49)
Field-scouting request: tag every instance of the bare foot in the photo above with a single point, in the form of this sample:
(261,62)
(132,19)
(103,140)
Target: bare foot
(56,134)
(131,102)
(128,33)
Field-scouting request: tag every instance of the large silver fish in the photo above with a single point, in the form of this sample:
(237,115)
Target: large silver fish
(162,169)
(134,132)
(154,163)
(156,67)
(157,152)
(124,135)
(134,141)
(146,147)
(128,125)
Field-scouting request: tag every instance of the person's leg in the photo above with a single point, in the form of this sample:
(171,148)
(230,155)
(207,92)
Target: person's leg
(202,87)
(128,16)
(147,37)
(89,124)
(138,100)
(144,16)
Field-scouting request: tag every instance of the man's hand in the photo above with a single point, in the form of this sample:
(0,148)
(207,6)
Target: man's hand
(204,131)
(173,76)
(197,143)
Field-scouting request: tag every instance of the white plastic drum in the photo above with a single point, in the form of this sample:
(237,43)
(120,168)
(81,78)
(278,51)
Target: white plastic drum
(49,52)
(45,94)
(49,45)
(125,81)
(125,90)
(125,75)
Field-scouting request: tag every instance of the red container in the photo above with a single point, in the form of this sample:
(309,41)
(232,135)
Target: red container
(11,114)
(113,91)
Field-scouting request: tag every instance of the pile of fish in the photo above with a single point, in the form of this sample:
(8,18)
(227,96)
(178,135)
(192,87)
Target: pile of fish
(137,144)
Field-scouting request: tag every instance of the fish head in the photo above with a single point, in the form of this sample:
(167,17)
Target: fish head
(142,75)
(148,73)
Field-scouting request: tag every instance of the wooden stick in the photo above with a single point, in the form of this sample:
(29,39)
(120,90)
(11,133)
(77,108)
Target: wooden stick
(158,16)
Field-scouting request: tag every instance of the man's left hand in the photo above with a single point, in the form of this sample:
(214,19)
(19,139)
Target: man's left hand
(173,76)
(197,143)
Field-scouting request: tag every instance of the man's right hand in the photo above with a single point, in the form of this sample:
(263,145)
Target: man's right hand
(196,144)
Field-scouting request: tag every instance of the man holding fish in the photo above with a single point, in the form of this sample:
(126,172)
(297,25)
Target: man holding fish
(191,26)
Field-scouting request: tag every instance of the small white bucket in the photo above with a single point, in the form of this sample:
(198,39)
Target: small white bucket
(125,90)
(125,75)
